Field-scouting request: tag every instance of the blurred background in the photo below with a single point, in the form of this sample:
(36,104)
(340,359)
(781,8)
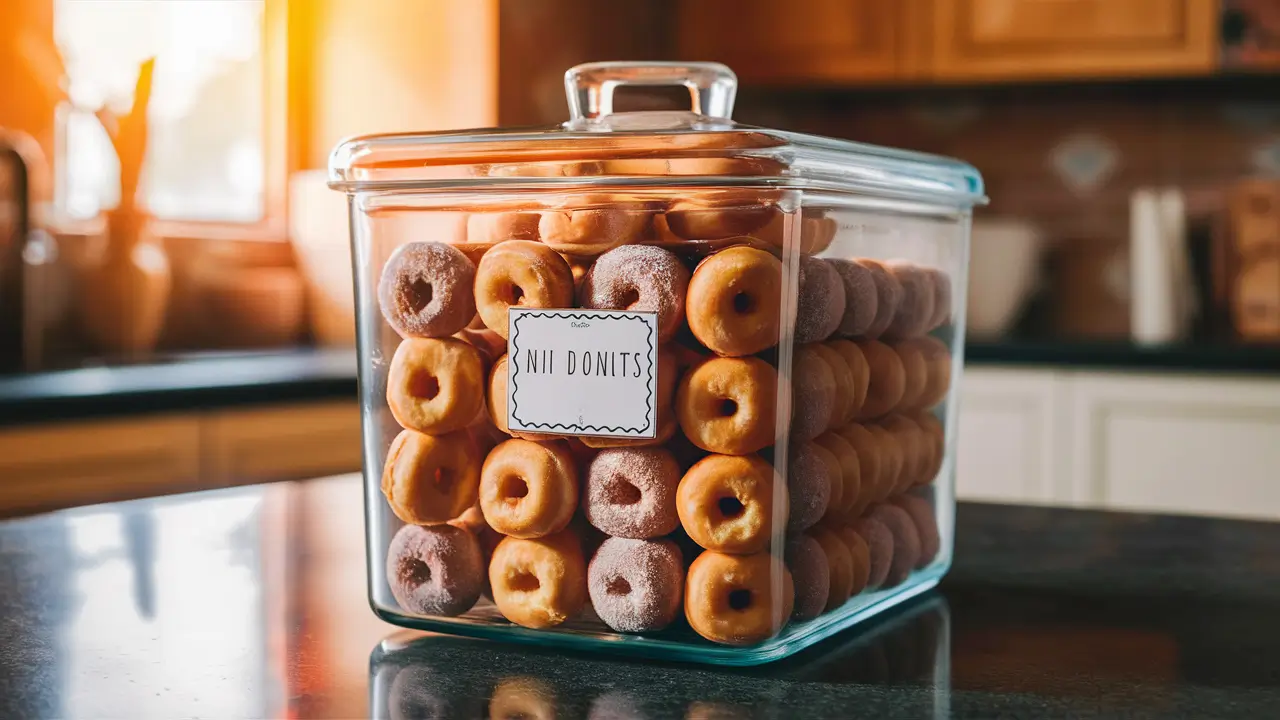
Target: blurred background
(1124,303)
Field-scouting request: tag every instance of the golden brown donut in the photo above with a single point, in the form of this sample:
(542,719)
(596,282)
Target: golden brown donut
(850,470)
(938,363)
(428,479)
(523,274)
(529,489)
(816,233)
(813,388)
(841,564)
(859,554)
(734,301)
(541,582)
(435,385)
(935,446)
(915,374)
(922,515)
(593,230)
(845,387)
(888,296)
(727,503)
(891,460)
(860,371)
(868,447)
(724,214)
(888,379)
(491,228)
(916,309)
(496,403)
(914,449)
(731,599)
(727,405)
(835,504)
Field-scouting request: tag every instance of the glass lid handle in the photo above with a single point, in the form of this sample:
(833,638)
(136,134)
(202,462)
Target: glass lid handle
(590,86)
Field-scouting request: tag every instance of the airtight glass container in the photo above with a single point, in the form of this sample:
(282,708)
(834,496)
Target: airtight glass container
(655,383)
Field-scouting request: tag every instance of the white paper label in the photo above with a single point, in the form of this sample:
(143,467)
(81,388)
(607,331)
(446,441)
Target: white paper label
(583,372)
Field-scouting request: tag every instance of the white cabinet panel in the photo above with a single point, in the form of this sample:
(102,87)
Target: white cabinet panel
(1008,430)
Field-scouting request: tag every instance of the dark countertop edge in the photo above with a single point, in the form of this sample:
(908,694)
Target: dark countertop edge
(1121,356)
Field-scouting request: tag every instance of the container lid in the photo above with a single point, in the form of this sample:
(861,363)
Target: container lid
(599,147)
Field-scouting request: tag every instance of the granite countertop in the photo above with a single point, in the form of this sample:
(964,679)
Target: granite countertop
(250,602)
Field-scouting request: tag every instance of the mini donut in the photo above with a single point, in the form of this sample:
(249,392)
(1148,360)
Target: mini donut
(906,542)
(816,234)
(734,301)
(668,376)
(727,405)
(839,564)
(879,546)
(926,523)
(425,290)
(813,387)
(529,489)
(916,309)
(859,370)
(935,445)
(491,228)
(731,599)
(910,438)
(496,402)
(888,296)
(941,282)
(891,460)
(850,469)
(835,503)
(866,445)
(579,267)
(539,582)
(810,574)
(820,305)
(631,492)
(435,385)
(888,379)
(430,479)
(636,585)
(592,231)
(845,383)
(435,570)
(861,298)
(809,481)
(520,273)
(860,554)
(915,375)
(641,278)
(938,363)
(490,344)
(719,216)
(727,503)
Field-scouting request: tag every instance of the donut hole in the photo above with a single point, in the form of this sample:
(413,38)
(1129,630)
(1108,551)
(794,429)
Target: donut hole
(515,295)
(728,407)
(744,303)
(629,298)
(524,581)
(739,600)
(624,493)
(618,586)
(424,385)
(730,507)
(513,489)
(414,573)
(418,294)
(444,479)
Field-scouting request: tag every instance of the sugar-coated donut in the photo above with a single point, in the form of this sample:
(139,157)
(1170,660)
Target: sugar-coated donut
(727,405)
(891,459)
(727,503)
(809,482)
(496,402)
(816,234)
(935,446)
(820,306)
(425,290)
(813,388)
(839,564)
(859,370)
(631,492)
(435,385)
(636,585)
(539,582)
(879,548)
(860,554)
(938,363)
(810,574)
(490,228)
(641,278)
(906,542)
(888,296)
(920,510)
(941,282)
(520,273)
(845,383)
(731,599)
(915,374)
(888,379)
(529,489)
(867,447)
(835,503)
(911,440)
(861,299)
(916,309)
(593,230)
(430,479)
(435,570)
(850,469)
(734,301)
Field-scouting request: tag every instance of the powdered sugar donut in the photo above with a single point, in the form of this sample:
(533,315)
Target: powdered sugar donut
(809,484)
(814,386)
(921,512)
(861,300)
(880,544)
(426,290)
(631,492)
(916,309)
(437,570)
(888,296)
(906,542)
(821,300)
(636,585)
(811,575)
(641,278)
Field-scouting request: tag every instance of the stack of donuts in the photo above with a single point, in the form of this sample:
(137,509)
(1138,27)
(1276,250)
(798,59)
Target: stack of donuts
(709,523)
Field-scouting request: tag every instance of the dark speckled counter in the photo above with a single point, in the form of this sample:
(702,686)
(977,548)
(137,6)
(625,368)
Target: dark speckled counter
(250,603)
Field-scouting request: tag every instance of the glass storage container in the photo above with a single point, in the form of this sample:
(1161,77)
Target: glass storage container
(655,383)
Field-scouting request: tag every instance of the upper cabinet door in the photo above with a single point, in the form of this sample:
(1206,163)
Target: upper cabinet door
(1028,39)
(805,41)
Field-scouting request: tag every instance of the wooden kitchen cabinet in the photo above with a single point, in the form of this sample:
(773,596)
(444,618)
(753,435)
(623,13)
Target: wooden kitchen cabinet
(280,443)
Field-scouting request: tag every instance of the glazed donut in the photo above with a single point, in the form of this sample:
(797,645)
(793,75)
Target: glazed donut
(435,385)
(915,374)
(636,585)
(715,216)
(820,305)
(891,460)
(844,396)
(879,549)
(859,370)
(496,402)
(727,405)
(813,387)
(631,492)
(916,309)
(809,481)
(435,570)
(938,363)
(866,445)
(641,278)
(888,379)
(425,290)
(850,469)
(810,574)
(593,230)
(668,376)
(906,542)
(910,438)
(941,282)
(529,489)
(839,564)
(861,299)
(540,582)
(921,513)
(430,479)
(523,274)
(490,228)
(888,296)
(835,503)
(727,503)
(734,301)
(816,234)
(860,554)
(731,599)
